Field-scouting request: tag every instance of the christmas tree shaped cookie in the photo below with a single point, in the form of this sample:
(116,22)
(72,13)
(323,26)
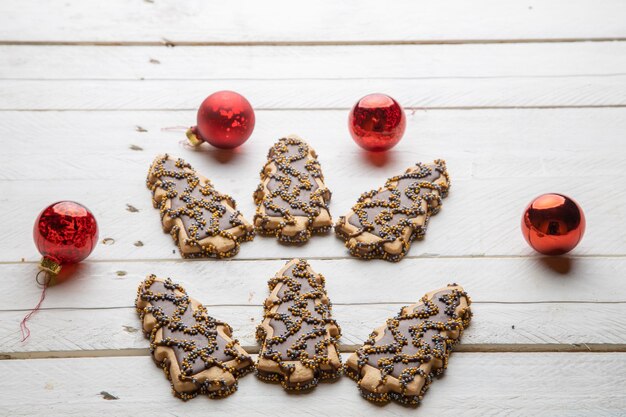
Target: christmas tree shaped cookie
(292,199)
(195,351)
(400,358)
(202,221)
(384,222)
(298,335)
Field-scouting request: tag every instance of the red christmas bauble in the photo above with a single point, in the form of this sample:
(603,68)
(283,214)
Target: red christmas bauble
(225,120)
(377,122)
(553,224)
(65,233)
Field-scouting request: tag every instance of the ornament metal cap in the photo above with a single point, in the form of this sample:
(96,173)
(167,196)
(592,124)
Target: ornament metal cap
(192,136)
(49,265)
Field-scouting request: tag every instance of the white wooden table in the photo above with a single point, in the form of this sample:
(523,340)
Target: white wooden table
(520,98)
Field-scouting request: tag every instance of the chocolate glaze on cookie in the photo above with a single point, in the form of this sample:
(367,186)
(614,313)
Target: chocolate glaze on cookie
(384,222)
(202,221)
(292,198)
(195,351)
(298,335)
(399,360)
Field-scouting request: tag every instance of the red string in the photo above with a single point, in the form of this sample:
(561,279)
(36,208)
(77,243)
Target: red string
(23,327)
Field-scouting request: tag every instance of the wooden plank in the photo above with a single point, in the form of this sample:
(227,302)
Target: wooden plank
(469,62)
(93,285)
(572,74)
(325,21)
(475,384)
(511,327)
(498,162)
(483,144)
(490,230)
(317,94)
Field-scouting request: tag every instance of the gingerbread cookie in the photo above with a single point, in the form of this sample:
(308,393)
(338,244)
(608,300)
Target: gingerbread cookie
(400,359)
(298,337)
(292,199)
(384,222)
(202,221)
(195,351)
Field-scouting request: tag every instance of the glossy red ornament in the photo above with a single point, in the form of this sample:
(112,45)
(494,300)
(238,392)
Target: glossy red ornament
(225,120)
(65,233)
(553,224)
(377,122)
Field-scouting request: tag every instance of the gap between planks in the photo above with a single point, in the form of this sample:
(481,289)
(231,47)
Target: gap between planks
(390,303)
(332,258)
(308,109)
(343,348)
(373,78)
(171,44)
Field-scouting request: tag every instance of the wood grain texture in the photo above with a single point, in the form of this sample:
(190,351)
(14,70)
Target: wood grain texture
(498,161)
(511,327)
(483,384)
(324,21)
(583,91)
(426,76)
(482,144)
(506,280)
(469,62)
